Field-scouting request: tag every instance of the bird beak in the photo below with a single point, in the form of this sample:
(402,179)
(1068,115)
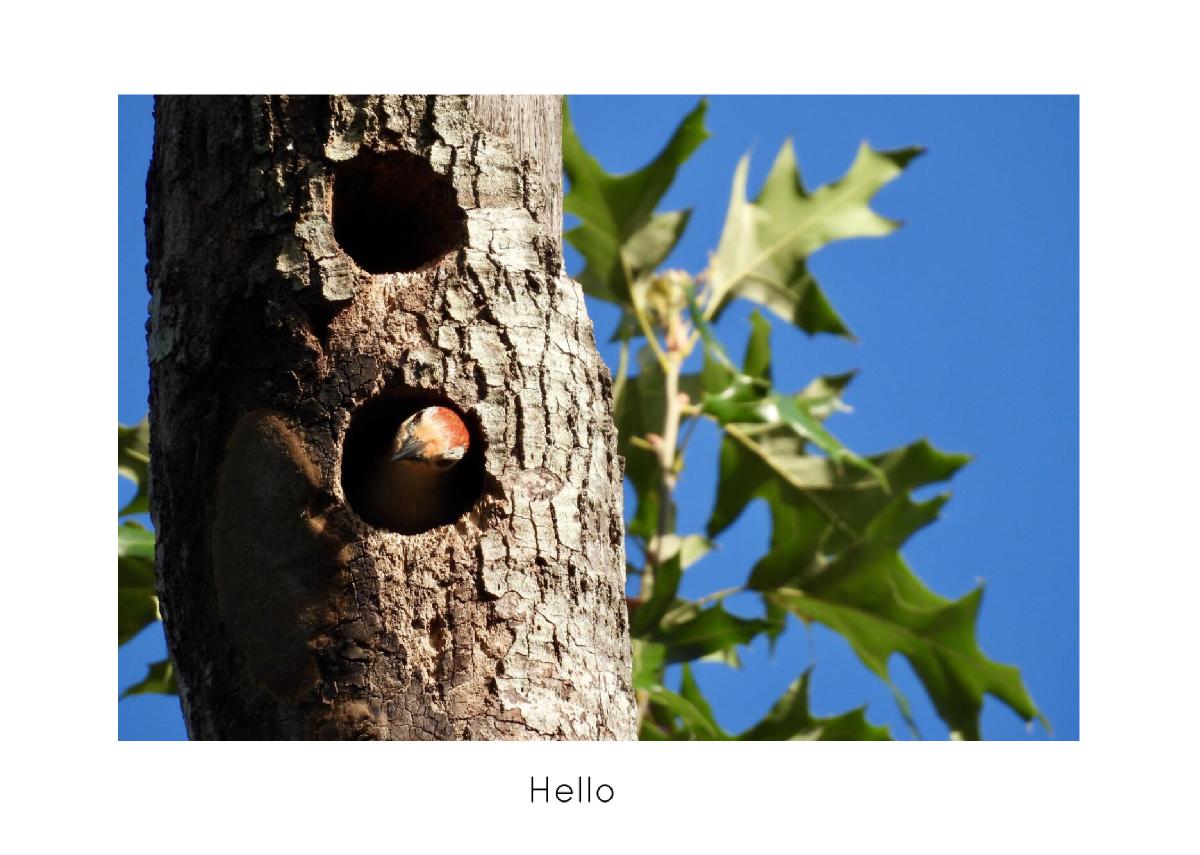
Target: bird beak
(412,448)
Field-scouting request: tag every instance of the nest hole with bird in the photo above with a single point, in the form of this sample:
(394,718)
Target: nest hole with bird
(392,213)
(412,461)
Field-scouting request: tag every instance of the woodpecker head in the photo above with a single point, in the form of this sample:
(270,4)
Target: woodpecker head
(434,437)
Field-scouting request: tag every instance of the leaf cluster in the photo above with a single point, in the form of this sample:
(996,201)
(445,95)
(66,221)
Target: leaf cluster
(838,518)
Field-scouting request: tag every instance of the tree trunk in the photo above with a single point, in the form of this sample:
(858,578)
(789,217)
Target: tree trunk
(321,268)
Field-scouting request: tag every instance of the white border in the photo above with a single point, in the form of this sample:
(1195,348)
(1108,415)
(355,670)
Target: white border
(1121,786)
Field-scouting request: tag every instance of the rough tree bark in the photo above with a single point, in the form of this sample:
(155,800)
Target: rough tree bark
(321,267)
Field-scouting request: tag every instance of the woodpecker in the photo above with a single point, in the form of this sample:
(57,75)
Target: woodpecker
(411,486)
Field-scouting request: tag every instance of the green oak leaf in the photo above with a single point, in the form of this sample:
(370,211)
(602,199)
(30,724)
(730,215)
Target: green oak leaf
(765,244)
(856,499)
(160,680)
(748,404)
(620,237)
(612,268)
(771,464)
(682,718)
(689,631)
(871,597)
(133,461)
(823,396)
(734,407)
(686,713)
(137,604)
(789,719)
(797,555)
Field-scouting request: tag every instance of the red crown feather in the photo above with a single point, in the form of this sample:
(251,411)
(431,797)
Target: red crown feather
(445,428)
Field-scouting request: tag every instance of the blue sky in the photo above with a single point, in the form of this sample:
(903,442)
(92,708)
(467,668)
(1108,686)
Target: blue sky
(969,335)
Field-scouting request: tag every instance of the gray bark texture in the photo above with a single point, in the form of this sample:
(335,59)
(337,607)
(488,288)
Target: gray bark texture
(320,268)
